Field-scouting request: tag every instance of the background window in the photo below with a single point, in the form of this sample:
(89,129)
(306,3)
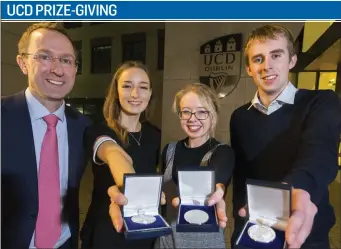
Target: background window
(78,49)
(134,47)
(160,48)
(91,107)
(307,80)
(101,55)
(327,81)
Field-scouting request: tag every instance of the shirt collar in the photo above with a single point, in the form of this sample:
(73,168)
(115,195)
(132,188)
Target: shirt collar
(287,96)
(38,111)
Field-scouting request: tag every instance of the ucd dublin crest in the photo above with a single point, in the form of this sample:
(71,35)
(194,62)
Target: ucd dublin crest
(220,63)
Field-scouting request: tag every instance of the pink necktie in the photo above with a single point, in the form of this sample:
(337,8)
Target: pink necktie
(48,226)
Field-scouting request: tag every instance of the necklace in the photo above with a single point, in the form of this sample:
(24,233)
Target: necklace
(137,141)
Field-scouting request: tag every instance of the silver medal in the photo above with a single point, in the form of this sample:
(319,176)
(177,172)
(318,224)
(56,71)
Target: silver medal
(196,217)
(141,218)
(261,233)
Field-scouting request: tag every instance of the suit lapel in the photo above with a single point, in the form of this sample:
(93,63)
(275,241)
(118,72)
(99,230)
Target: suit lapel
(73,140)
(22,132)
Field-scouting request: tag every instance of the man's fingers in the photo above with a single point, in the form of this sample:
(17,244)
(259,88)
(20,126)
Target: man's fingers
(216,196)
(116,216)
(303,233)
(305,229)
(294,225)
(176,202)
(302,219)
(116,196)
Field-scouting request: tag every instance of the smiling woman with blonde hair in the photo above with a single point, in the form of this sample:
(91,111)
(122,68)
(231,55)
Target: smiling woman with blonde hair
(197,108)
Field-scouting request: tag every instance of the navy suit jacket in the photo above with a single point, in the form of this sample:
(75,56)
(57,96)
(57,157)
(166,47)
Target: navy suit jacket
(19,178)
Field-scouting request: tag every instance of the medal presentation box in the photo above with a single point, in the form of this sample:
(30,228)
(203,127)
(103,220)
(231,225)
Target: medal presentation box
(194,189)
(141,214)
(269,208)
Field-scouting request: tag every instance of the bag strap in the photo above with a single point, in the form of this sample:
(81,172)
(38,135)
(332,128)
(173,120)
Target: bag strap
(169,160)
(206,159)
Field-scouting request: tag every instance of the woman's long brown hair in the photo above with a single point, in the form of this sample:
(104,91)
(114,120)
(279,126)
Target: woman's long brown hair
(112,107)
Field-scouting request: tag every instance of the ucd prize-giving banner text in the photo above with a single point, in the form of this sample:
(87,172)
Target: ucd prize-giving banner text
(169,10)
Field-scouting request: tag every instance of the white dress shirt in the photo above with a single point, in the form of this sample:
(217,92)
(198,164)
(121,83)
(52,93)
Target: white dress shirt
(287,96)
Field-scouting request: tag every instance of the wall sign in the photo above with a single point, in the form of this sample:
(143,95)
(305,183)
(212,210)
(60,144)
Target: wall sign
(220,63)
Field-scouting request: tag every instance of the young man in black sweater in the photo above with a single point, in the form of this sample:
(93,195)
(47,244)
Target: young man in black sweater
(286,135)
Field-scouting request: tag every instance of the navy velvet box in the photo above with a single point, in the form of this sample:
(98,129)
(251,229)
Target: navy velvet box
(269,204)
(143,193)
(194,189)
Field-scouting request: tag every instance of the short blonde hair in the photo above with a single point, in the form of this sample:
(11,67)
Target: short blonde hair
(270,31)
(206,95)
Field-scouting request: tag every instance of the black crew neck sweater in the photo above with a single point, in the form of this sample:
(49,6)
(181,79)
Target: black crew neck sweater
(297,144)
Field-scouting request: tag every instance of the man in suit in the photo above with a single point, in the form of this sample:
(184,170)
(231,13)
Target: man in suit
(42,155)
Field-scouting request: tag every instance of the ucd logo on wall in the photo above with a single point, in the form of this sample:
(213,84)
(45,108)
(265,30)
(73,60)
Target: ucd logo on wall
(220,63)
